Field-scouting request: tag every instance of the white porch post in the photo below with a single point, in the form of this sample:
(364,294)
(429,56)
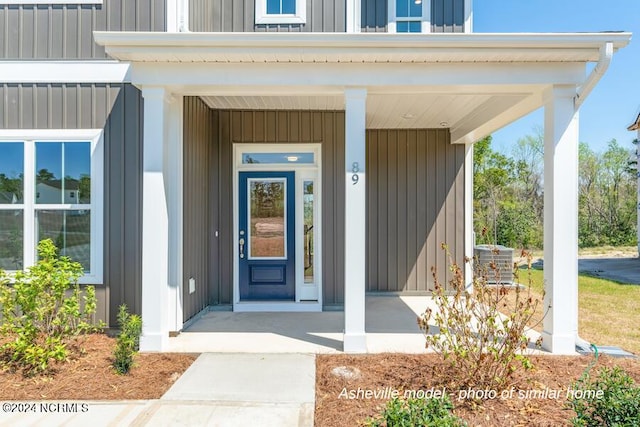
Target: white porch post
(155,223)
(561,220)
(173,179)
(469,238)
(355,340)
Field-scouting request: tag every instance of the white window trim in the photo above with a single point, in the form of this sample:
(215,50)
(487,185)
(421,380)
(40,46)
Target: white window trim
(29,138)
(425,19)
(51,2)
(262,17)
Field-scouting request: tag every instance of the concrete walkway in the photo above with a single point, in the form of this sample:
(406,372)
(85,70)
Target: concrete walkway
(217,390)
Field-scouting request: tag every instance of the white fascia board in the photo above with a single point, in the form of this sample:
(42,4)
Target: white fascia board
(146,39)
(64,72)
(260,77)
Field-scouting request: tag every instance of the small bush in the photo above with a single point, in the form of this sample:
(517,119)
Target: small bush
(417,412)
(483,345)
(128,340)
(618,403)
(42,311)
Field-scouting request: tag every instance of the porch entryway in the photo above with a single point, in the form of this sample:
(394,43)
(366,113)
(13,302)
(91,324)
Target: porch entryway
(390,324)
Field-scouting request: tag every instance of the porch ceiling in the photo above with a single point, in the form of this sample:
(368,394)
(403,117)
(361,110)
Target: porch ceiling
(386,111)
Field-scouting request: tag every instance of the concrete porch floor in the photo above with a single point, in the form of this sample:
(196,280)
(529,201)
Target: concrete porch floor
(390,325)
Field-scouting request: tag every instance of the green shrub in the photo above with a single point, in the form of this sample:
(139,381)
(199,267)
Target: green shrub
(417,412)
(128,340)
(43,310)
(483,345)
(612,399)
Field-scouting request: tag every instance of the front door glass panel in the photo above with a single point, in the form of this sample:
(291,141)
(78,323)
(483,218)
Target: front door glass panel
(267,234)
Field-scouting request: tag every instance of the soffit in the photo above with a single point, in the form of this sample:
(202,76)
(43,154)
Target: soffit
(383,110)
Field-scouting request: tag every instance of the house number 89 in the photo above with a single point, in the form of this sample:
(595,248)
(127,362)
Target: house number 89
(355,169)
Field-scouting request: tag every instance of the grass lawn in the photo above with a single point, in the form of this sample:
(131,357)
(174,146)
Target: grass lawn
(609,312)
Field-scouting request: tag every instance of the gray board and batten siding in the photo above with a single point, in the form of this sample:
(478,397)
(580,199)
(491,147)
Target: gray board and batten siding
(447,16)
(415,202)
(65,31)
(118,109)
(239,16)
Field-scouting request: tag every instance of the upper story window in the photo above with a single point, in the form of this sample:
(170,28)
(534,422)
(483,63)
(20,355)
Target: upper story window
(409,16)
(281,11)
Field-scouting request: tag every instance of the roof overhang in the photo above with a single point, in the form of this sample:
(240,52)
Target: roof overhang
(356,47)
(472,83)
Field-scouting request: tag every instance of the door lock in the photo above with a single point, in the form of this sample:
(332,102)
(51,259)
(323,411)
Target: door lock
(241,241)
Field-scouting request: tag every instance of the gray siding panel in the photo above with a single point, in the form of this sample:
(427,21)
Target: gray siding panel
(374,15)
(123,201)
(199,127)
(447,16)
(56,106)
(65,31)
(322,127)
(415,201)
(239,16)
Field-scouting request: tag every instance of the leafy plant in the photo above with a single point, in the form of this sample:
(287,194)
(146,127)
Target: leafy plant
(483,345)
(128,340)
(417,412)
(42,311)
(612,399)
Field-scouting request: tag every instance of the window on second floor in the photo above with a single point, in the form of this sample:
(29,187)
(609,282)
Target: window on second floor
(409,16)
(281,11)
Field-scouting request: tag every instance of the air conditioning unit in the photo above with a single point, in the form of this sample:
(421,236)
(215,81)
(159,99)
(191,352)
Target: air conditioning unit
(502,256)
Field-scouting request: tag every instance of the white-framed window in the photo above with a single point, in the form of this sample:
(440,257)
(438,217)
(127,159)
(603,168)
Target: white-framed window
(281,11)
(51,2)
(51,186)
(409,16)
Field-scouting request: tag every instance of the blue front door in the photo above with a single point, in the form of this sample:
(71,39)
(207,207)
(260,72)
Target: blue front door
(266,236)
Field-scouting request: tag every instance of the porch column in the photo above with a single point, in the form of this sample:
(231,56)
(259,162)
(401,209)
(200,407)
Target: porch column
(355,216)
(561,220)
(155,224)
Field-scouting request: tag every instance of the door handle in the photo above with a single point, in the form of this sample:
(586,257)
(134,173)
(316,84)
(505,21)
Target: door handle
(241,241)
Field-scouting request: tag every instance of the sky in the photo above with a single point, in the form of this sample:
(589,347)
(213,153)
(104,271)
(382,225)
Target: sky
(615,102)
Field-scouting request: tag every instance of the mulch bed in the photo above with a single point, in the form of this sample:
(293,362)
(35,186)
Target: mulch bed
(419,372)
(90,376)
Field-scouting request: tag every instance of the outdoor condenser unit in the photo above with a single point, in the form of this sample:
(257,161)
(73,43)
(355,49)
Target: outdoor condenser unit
(501,256)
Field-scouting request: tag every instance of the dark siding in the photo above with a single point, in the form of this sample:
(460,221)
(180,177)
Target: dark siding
(118,109)
(326,128)
(123,202)
(199,128)
(447,16)
(239,16)
(65,31)
(56,106)
(374,15)
(415,201)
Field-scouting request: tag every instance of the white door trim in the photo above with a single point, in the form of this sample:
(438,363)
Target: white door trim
(307,297)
